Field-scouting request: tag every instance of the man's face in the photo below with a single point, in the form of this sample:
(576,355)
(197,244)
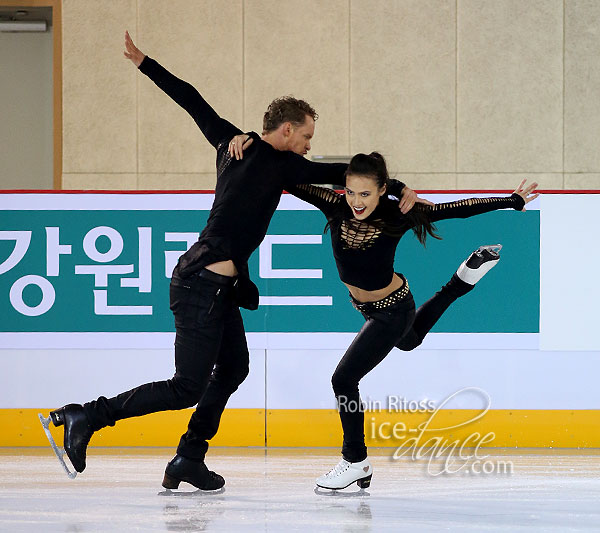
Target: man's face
(298,139)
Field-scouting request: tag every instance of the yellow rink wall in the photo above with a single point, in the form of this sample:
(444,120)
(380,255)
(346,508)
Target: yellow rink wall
(321,427)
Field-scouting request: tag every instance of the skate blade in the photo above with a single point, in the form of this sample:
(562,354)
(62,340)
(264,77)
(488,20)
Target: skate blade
(341,493)
(494,248)
(190,493)
(59,452)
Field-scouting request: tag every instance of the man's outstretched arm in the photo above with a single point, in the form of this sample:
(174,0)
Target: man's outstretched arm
(329,173)
(214,128)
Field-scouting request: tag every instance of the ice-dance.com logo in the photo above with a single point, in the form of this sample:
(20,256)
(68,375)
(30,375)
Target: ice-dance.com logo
(431,440)
(452,456)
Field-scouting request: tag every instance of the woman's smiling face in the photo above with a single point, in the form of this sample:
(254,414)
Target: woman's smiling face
(362,194)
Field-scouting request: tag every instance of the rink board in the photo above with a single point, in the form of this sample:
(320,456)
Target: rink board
(520,337)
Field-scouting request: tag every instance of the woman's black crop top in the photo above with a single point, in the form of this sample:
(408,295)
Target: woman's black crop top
(363,249)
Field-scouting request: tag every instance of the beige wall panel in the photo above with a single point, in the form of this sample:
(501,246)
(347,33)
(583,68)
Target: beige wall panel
(506,182)
(582,181)
(403,82)
(299,48)
(582,86)
(177,182)
(99,109)
(200,42)
(428,182)
(26,116)
(106,182)
(510,85)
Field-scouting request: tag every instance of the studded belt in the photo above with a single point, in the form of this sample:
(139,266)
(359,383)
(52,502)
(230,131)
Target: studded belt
(391,299)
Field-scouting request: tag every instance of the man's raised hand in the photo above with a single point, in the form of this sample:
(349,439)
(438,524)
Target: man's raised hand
(132,52)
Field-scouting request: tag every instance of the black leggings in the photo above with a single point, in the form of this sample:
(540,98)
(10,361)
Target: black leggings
(211,361)
(395,326)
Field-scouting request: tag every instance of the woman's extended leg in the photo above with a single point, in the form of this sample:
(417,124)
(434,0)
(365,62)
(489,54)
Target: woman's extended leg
(375,340)
(479,263)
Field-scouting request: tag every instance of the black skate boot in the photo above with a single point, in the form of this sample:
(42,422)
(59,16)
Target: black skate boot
(77,432)
(193,472)
(479,263)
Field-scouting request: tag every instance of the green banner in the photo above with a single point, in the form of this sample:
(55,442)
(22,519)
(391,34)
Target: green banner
(103,270)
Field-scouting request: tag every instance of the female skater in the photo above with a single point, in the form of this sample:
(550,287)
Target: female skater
(366,227)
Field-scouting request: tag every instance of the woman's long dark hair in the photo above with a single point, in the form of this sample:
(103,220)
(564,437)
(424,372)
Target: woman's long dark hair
(373,165)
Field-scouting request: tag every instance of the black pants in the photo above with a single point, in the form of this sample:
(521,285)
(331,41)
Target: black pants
(395,326)
(211,361)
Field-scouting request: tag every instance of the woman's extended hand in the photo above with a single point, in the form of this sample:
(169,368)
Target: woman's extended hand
(132,52)
(527,194)
(238,144)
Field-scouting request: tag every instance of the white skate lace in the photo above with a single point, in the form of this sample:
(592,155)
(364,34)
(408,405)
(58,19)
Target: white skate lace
(341,467)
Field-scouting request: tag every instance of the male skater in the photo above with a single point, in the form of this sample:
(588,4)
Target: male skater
(211,281)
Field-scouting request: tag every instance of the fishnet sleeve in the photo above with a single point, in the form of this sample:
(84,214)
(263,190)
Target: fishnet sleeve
(470,207)
(321,197)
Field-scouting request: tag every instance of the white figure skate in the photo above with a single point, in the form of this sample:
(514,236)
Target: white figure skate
(479,263)
(346,473)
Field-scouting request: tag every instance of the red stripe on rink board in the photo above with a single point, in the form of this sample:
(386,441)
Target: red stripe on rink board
(421,191)
(53,191)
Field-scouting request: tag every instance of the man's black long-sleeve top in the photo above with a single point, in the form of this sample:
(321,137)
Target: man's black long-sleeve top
(247,191)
